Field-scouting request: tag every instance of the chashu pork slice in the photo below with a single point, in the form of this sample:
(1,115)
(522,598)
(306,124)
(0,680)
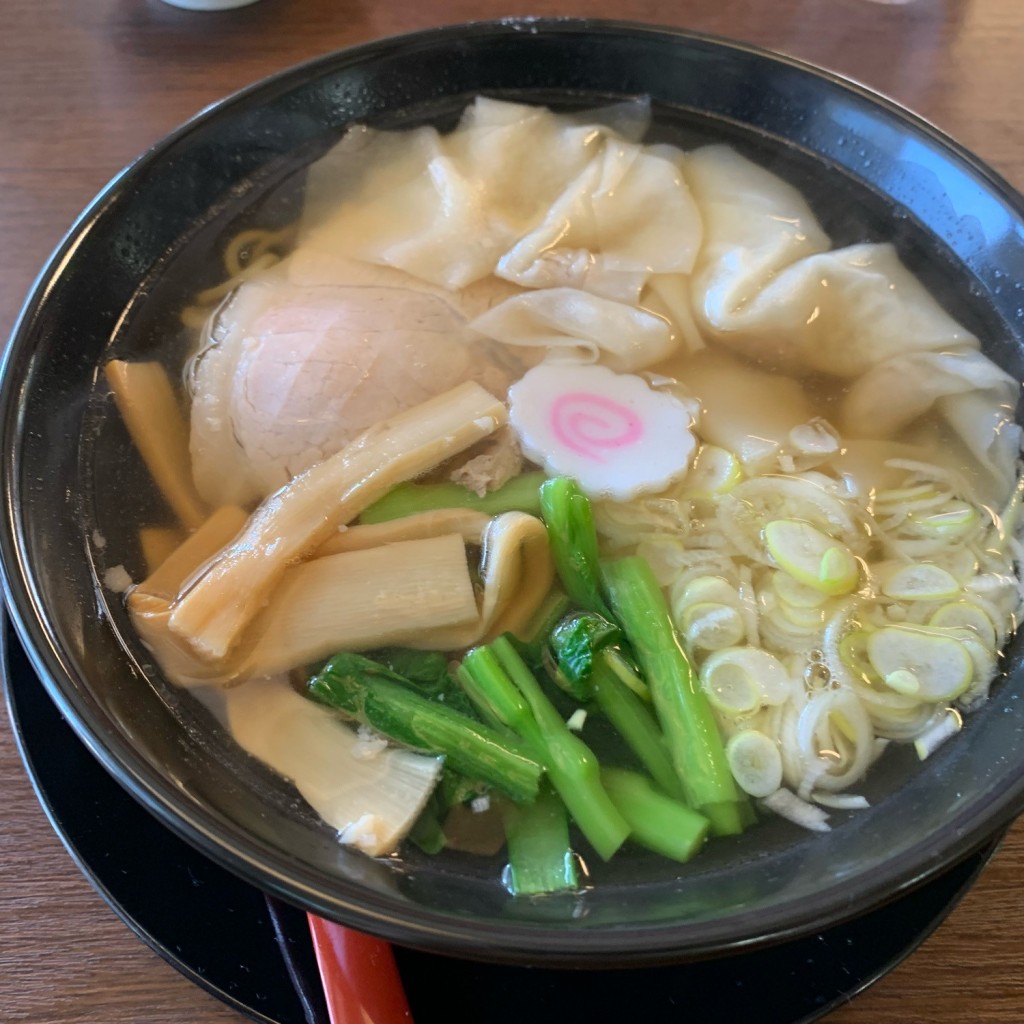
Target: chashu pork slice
(302,359)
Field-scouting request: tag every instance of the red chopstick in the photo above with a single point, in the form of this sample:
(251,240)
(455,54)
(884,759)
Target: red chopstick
(359,974)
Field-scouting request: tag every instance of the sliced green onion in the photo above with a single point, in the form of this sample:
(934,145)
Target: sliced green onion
(921,582)
(738,680)
(931,739)
(982,657)
(712,626)
(576,720)
(960,561)
(714,471)
(789,806)
(941,666)
(904,681)
(966,615)
(841,801)
(805,618)
(853,653)
(755,762)
(796,594)
(711,589)
(919,493)
(730,688)
(811,557)
(955,521)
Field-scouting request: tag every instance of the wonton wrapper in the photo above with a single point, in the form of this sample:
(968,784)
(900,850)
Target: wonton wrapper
(766,287)
(543,200)
(576,325)
(840,312)
(755,224)
(627,215)
(973,395)
(445,208)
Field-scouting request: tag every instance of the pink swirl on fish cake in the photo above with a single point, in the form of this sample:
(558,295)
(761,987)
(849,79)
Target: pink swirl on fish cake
(590,424)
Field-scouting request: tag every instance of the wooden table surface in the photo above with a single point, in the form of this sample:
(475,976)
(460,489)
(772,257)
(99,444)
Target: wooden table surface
(86,85)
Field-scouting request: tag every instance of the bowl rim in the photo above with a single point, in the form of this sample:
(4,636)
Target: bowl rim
(268,868)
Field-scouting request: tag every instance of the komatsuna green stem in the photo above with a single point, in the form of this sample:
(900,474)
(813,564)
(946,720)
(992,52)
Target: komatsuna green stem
(570,523)
(540,857)
(495,696)
(571,764)
(686,718)
(520,494)
(380,699)
(658,822)
(591,669)
(636,725)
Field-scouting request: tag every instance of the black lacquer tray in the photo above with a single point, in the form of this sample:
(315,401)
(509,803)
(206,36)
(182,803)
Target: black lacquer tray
(255,953)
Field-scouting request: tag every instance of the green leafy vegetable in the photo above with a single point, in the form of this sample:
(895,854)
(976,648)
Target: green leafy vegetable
(658,822)
(428,672)
(545,618)
(518,495)
(577,642)
(501,684)
(540,857)
(380,698)
(573,537)
(427,832)
(686,718)
(591,669)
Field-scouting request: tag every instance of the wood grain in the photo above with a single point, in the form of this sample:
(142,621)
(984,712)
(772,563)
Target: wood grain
(86,85)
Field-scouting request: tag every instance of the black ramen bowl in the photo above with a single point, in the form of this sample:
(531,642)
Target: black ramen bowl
(870,170)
